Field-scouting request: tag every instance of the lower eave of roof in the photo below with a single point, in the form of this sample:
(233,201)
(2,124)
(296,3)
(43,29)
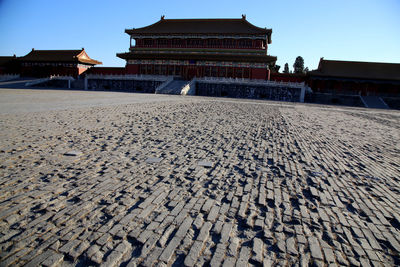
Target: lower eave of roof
(200,56)
(90,62)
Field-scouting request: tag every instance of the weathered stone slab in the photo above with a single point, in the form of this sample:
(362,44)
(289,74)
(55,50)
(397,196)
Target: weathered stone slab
(151,160)
(315,248)
(205,163)
(194,253)
(73,153)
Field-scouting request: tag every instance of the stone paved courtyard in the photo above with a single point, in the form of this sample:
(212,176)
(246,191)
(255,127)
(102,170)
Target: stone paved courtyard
(278,183)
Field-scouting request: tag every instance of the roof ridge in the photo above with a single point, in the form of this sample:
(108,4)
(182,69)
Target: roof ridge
(57,50)
(206,19)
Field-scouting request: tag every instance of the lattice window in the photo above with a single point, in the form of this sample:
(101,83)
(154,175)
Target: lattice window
(214,71)
(228,43)
(148,42)
(222,72)
(212,43)
(162,42)
(194,42)
(176,42)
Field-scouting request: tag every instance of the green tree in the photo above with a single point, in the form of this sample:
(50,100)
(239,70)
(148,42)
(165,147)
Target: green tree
(298,65)
(286,68)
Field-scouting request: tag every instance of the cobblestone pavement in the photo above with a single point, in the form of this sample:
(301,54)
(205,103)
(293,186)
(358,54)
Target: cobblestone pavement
(286,185)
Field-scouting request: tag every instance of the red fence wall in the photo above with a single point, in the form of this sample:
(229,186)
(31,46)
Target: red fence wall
(107,70)
(288,77)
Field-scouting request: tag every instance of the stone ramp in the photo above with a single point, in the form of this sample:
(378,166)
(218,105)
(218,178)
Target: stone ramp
(46,82)
(17,83)
(374,102)
(8,77)
(173,88)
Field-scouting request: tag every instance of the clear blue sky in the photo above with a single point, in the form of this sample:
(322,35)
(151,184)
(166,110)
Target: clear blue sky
(361,30)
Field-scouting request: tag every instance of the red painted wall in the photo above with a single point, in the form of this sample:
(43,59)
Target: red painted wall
(132,69)
(188,72)
(107,70)
(288,77)
(46,71)
(259,74)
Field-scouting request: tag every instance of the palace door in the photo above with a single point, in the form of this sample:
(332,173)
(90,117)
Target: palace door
(191,73)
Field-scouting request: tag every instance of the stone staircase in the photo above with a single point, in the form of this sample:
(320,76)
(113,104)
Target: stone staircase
(374,102)
(27,82)
(173,88)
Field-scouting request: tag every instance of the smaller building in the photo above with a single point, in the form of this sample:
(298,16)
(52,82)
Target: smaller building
(44,63)
(356,78)
(9,65)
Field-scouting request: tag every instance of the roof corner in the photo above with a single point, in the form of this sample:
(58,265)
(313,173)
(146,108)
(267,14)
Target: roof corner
(321,61)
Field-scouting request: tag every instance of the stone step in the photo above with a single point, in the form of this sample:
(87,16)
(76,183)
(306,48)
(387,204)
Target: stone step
(173,88)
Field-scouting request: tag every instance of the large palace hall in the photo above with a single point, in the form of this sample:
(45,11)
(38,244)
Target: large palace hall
(200,47)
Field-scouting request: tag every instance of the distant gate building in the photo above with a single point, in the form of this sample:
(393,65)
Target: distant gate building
(200,48)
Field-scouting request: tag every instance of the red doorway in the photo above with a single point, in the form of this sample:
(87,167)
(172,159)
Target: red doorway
(191,73)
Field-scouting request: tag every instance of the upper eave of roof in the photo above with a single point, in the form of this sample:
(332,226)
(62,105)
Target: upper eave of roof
(202,26)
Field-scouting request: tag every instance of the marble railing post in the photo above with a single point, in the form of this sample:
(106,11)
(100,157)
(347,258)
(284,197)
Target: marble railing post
(302,93)
(86,83)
